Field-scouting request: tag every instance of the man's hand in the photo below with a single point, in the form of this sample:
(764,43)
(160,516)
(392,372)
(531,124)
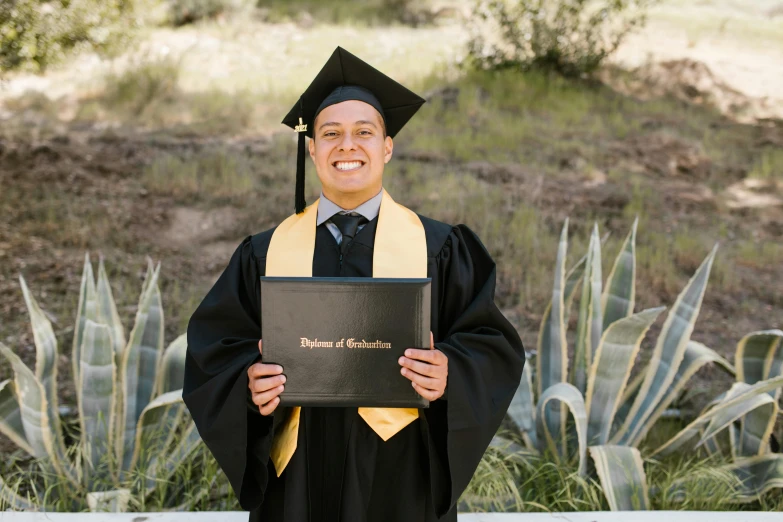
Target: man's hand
(428,370)
(266,383)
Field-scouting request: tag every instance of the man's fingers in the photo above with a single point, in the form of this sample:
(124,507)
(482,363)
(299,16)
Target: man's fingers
(269,408)
(426,382)
(262,370)
(422,368)
(432,342)
(430,356)
(266,383)
(430,395)
(259,346)
(264,397)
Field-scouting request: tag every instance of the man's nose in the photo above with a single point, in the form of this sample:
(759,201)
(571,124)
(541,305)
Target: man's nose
(347,142)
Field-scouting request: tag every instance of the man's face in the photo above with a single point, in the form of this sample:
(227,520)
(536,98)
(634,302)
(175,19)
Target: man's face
(349,151)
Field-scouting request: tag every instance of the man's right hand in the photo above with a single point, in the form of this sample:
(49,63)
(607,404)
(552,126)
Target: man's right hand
(266,383)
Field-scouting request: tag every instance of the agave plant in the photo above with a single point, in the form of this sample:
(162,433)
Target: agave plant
(610,413)
(129,396)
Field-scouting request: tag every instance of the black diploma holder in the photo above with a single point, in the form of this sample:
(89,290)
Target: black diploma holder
(339,339)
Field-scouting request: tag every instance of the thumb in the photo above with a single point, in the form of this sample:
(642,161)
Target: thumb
(432,342)
(259,346)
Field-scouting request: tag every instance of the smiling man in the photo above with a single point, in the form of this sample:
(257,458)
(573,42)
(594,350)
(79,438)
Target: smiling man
(349,464)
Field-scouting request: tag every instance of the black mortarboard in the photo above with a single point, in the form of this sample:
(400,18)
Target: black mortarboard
(346,77)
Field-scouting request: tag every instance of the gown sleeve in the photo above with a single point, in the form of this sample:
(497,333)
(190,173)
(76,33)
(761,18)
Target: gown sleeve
(223,336)
(485,357)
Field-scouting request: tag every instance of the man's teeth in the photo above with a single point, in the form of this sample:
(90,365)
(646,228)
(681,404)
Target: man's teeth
(348,165)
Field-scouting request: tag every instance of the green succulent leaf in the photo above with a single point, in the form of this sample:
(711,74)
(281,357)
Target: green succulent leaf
(609,373)
(107,310)
(97,393)
(567,394)
(667,355)
(619,294)
(11,416)
(740,400)
(171,375)
(45,363)
(759,356)
(758,475)
(87,309)
(621,472)
(552,355)
(154,427)
(589,327)
(139,365)
(696,356)
(522,411)
(32,403)
(162,469)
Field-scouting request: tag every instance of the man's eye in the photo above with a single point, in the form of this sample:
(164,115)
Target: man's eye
(330,134)
(365,131)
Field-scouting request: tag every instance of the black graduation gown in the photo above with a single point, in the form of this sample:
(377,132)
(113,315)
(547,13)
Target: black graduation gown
(341,470)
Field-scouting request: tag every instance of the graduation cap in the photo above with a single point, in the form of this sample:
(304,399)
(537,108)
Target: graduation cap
(346,77)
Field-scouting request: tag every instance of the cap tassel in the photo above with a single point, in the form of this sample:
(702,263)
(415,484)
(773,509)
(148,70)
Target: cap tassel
(300,175)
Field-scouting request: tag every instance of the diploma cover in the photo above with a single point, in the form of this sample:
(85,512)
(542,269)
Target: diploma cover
(339,339)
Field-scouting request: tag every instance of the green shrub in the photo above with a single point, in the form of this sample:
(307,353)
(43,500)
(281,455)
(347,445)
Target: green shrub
(571,37)
(36,33)
(182,12)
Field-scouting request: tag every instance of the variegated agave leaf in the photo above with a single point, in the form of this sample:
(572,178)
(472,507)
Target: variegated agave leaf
(621,472)
(171,375)
(619,294)
(163,468)
(609,373)
(32,403)
(107,310)
(87,309)
(758,475)
(667,355)
(696,356)
(590,325)
(11,416)
(740,400)
(138,367)
(154,427)
(552,356)
(766,405)
(759,356)
(522,411)
(97,396)
(568,395)
(45,364)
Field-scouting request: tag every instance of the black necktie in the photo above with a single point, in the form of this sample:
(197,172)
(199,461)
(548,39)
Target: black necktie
(348,226)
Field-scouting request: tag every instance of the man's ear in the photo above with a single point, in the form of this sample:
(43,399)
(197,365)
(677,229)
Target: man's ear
(311,148)
(388,146)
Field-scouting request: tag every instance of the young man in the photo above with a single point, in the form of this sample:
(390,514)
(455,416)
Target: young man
(349,464)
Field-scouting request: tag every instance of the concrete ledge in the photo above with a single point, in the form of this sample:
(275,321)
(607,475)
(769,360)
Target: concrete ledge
(589,516)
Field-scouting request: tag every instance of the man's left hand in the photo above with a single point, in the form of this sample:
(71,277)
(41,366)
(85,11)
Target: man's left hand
(428,370)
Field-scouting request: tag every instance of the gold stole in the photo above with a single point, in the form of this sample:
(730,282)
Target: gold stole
(400,250)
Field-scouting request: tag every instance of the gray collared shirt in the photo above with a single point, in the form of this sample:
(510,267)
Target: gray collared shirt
(326,209)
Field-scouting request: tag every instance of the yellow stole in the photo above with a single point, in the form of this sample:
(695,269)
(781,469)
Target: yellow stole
(400,250)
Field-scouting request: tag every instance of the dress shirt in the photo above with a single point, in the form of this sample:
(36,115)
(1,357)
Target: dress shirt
(326,209)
